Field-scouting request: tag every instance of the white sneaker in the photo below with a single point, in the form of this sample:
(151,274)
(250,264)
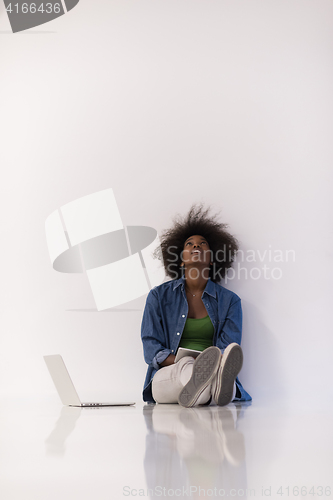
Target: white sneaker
(230,365)
(204,371)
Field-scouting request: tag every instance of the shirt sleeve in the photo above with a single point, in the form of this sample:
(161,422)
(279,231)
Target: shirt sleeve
(152,333)
(231,330)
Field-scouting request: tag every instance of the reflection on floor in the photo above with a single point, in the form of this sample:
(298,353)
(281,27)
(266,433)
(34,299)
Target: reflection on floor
(197,447)
(162,451)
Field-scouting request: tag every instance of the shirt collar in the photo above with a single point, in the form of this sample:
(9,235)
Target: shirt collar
(210,286)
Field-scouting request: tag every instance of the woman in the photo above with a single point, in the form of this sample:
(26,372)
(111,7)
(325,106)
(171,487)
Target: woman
(194,311)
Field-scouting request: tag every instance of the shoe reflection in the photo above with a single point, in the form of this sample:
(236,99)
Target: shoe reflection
(198,448)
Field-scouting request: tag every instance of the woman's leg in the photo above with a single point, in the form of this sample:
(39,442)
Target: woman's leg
(170,380)
(167,384)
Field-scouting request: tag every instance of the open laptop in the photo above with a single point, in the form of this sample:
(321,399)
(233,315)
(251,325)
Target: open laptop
(65,386)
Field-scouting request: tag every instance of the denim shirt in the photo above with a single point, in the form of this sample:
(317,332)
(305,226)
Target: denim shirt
(164,320)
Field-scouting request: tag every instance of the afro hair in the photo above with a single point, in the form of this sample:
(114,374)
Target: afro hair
(222,244)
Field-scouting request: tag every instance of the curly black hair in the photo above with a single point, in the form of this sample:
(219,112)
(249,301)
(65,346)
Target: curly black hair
(222,244)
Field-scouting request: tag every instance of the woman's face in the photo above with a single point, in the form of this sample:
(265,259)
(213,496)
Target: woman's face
(196,250)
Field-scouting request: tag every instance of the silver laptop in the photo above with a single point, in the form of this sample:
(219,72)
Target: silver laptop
(65,386)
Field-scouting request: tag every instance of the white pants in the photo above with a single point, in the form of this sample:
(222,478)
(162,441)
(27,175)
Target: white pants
(169,381)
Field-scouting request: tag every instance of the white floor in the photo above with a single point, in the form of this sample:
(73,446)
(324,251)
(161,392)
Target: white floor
(250,450)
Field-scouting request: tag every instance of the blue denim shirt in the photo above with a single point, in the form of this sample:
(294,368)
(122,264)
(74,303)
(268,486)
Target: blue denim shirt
(164,319)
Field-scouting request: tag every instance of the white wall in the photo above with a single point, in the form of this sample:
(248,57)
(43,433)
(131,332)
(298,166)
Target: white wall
(170,102)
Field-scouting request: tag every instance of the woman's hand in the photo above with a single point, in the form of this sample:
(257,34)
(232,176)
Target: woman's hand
(169,360)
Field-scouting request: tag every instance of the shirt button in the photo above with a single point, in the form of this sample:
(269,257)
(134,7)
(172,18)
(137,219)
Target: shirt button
(183,315)
(172,350)
(178,333)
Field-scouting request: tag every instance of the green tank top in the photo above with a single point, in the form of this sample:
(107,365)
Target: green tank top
(197,334)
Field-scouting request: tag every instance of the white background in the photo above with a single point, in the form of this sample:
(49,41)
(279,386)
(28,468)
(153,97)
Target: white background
(169,102)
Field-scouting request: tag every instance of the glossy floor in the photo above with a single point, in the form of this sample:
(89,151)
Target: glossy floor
(249,450)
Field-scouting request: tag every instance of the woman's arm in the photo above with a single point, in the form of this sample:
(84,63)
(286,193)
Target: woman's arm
(153,336)
(231,330)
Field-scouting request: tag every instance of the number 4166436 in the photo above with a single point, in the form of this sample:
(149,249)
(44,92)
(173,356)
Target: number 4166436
(32,8)
(304,491)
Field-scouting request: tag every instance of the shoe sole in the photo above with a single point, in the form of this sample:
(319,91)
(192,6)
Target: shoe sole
(231,365)
(204,370)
